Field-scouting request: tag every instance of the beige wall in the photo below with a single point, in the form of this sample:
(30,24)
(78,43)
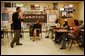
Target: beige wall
(60,5)
(81,11)
(75,7)
(45,4)
(78,6)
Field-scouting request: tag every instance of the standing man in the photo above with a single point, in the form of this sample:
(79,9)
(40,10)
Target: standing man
(16,18)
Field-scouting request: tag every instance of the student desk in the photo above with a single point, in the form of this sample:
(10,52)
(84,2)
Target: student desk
(63,31)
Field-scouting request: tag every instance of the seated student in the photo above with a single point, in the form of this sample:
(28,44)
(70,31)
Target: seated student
(36,30)
(50,31)
(81,25)
(65,25)
(73,34)
(2,32)
(49,26)
(75,30)
(63,34)
(82,40)
(57,22)
(57,34)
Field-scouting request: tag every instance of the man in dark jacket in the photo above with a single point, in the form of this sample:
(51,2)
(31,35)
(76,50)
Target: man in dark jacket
(17,27)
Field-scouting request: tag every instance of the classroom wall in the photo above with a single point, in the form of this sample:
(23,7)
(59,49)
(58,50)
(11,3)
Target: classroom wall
(78,6)
(74,6)
(50,4)
(81,11)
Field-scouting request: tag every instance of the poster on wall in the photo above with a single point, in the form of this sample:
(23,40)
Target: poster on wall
(7,4)
(51,18)
(13,4)
(64,13)
(55,6)
(4,23)
(35,7)
(4,16)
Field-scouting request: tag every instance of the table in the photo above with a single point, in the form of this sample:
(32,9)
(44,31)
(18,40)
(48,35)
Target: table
(10,31)
(81,29)
(64,31)
(5,32)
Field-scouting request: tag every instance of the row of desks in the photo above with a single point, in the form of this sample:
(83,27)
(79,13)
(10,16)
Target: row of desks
(62,29)
(65,30)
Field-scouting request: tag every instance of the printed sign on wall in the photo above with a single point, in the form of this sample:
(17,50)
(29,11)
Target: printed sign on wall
(4,16)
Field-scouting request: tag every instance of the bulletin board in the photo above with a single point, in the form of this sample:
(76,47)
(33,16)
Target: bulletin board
(5,16)
(51,18)
(55,6)
(32,18)
(64,13)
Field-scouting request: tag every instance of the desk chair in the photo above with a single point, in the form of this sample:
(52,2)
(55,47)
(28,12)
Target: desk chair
(2,35)
(77,39)
(36,30)
(37,34)
(50,31)
(5,33)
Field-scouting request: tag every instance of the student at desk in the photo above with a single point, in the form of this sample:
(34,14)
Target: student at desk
(58,38)
(81,25)
(65,25)
(57,34)
(73,34)
(2,32)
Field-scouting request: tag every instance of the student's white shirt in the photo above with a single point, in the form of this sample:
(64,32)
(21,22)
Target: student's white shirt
(57,25)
